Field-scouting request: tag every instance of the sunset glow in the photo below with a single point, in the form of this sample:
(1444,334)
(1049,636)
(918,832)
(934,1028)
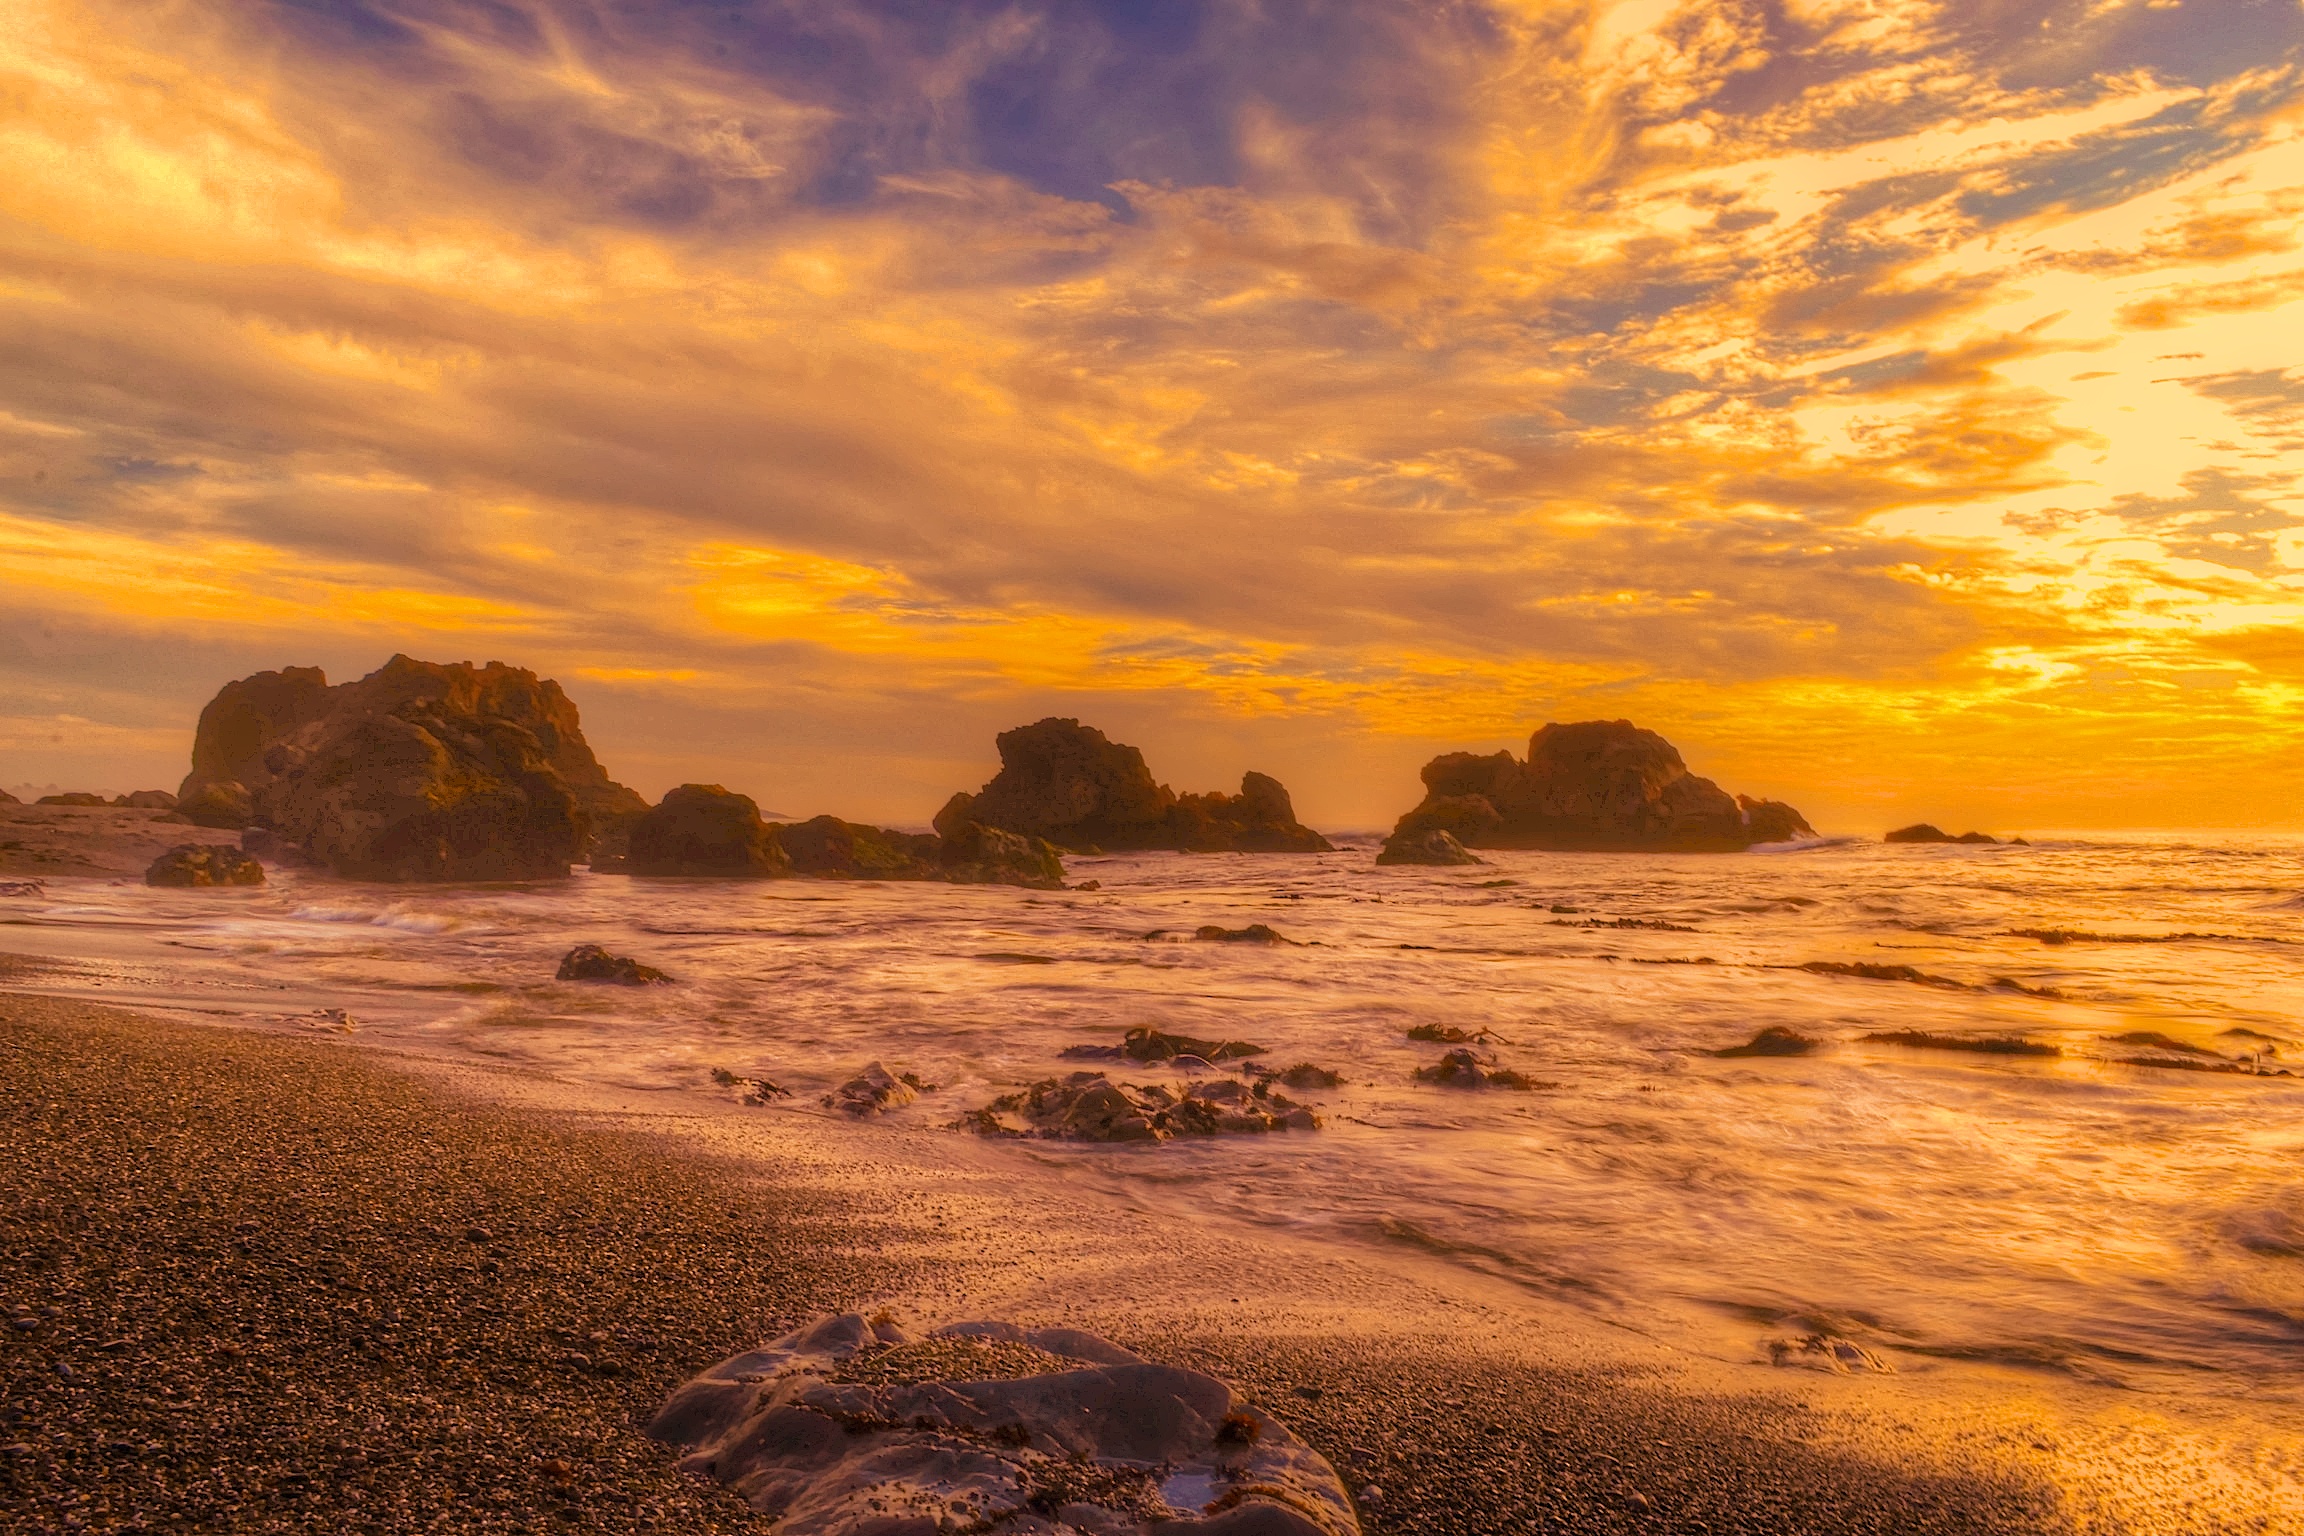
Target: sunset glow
(1897,407)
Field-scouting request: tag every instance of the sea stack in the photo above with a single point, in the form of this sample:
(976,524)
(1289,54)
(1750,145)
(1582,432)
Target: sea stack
(418,771)
(1068,783)
(1597,785)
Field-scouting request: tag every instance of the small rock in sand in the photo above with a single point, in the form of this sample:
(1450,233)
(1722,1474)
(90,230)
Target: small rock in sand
(593,962)
(852,1425)
(201,864)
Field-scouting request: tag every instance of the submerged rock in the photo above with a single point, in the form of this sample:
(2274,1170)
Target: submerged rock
(1432,845)
(1989,1045)
(1598,785)
(1462,1069)
(417,771)
(852,1426)
(1254,933)
(1869,971)
(702,829)
(203,864)
(1144,1043)
(1088,1106)
(1922,832)
(592,962)
(1070,784)
(1775,1040)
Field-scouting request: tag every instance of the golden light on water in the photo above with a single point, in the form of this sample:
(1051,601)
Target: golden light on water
(1896,407)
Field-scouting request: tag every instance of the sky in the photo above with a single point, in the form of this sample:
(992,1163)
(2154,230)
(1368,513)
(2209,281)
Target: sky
(1897,404)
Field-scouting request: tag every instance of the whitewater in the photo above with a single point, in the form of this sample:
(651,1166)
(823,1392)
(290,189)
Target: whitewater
(2121,1205)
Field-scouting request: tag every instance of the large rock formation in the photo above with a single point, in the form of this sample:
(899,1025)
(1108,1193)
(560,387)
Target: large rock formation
(1066,782)
(702,829)
(417,771)
(1596,785)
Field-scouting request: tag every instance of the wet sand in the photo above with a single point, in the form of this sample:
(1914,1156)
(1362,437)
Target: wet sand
(260,1283)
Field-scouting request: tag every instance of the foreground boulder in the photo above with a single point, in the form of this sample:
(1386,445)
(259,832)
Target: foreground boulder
(1600,785)
(1066,782)
(1088,1106)
(198,864)
(854,1426)
(417,771)
(702,829)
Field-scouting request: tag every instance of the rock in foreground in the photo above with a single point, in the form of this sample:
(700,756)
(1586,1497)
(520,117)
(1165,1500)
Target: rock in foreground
(850,1426)
(417,771)
(1068,783)
(199,864)
(1597,786)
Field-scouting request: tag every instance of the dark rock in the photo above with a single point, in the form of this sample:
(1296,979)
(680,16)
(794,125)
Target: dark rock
(1599,785)
(8,799)
(1775,1040)
(1989,1045)
(199,864)
(702,829)
(76,797)
(1922,832)
(852,1425)
(592,962)
(1432,845)
(1254,933)
(1089,885)
(270,846)
(148,800)
(1306,1075)
(972,853)
(1462,1069)
(1869,971)
(1088,1106)
(1067,783)
(750,1090)
(225,805)
(1448,1034)
(1145,1043)
(873,1091)
(845,850)
(22,888)
(417,771)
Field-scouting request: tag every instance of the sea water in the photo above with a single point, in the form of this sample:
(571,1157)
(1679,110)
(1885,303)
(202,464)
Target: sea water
(1869,1205)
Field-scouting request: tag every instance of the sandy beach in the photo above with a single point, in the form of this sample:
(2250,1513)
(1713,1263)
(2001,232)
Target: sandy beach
(274,1284)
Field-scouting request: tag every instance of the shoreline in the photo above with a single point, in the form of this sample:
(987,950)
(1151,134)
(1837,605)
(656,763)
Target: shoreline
(286,1197)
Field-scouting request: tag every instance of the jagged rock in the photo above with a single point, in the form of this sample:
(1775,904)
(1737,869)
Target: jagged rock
(1144,1043)
(853,1426)
(1462,1069)
(417,771)
(592,962)
(1597,785)
(1775,1040)
(75,797)
(1088,1106)
(1066,782)
(148,800)
(197,864)
(1923,832)
(1433,845)
(702,829)
(874,1090)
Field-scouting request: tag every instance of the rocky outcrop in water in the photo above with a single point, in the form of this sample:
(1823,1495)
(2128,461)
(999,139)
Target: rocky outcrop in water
(1923,832)
(1431,846)
(1066,782)
(1464,1069)
(854,1426)
(703,829)
(1088,1106)
(418,771)
(875,1090)
(594,962)
(198,864)
(1599,785)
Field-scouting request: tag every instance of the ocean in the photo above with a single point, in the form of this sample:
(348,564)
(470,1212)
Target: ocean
(2114,1196)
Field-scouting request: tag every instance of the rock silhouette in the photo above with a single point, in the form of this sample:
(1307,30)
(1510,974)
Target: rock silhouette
(1071,785)
(1598,785)
(702,829)
(418,771)
(1923,832)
